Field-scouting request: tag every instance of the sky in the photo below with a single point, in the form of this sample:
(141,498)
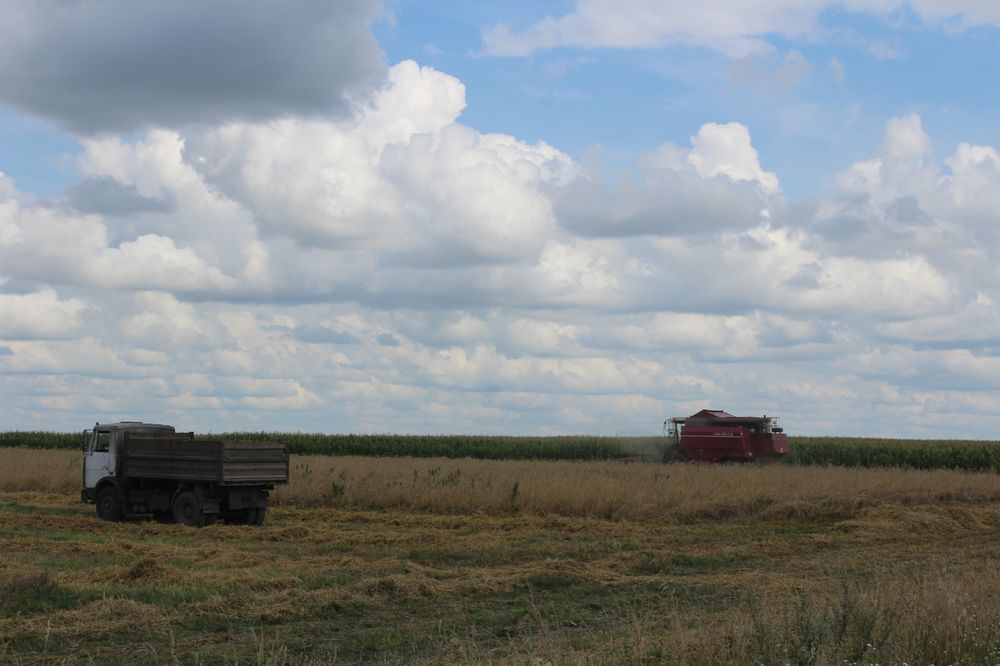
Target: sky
(555,217)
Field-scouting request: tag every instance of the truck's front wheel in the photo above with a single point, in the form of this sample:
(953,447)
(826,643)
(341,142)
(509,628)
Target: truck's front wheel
(108,504)
(187,510)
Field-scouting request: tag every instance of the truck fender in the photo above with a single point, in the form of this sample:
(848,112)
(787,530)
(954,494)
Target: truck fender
(90,494)
(107,481)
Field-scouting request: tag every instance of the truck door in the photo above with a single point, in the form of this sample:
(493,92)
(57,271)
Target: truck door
(97,458)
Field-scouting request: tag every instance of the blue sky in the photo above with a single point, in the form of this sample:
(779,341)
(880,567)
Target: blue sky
(629,99)
(551,217)
(625,100)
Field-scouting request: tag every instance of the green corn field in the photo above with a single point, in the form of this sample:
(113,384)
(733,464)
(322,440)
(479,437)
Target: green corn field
(489,447)
(40,439)
(971,455)
(968,455)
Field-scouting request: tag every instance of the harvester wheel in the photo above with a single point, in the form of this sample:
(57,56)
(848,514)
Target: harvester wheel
(675,455)
(258,518)
(109,505)
(187,510)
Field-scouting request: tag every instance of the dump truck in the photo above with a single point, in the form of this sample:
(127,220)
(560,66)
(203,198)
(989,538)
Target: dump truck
(713,435)
(132,468)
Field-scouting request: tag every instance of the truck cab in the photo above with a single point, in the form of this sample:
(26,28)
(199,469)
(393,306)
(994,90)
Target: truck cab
(101,446)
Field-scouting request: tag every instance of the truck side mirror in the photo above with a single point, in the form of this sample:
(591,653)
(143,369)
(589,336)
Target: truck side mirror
(83,440)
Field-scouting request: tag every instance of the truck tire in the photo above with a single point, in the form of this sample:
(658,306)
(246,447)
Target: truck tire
(187,510)
(245,517)
(234,518)
(108,504)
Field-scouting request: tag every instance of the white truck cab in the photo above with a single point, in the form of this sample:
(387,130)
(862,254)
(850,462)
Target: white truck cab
(100,450)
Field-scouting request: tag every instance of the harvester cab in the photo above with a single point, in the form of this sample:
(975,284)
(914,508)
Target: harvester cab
(713,435)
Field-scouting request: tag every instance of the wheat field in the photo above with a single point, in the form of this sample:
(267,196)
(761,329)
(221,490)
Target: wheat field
(681,492)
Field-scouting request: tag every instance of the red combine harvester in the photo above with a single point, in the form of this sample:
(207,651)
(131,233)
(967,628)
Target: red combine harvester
(712,435)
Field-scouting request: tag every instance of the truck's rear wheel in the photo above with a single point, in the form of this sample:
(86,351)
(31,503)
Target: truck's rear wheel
(108,504)
(258,517)
(187,510)
(235,518)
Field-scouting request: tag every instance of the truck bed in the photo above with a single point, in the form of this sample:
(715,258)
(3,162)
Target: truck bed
(181,457)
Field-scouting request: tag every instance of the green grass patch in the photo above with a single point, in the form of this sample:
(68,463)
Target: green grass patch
(53,535)
(655,565)
(550,580)
(164,595)
(18,507)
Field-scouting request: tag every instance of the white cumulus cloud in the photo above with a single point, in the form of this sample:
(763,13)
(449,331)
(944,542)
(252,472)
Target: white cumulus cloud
(39,315)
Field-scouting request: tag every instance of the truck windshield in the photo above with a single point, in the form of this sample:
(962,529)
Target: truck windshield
(102,443)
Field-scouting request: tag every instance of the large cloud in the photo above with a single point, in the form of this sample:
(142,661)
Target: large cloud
(717,184)
(403,205)
(119,65)
(908,202)
(49,245)
(734,28)
(402,180)
(41,314)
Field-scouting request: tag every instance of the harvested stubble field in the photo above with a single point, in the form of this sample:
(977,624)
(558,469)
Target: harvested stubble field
(469,561)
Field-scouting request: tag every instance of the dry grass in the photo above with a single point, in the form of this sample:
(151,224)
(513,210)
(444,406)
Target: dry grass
(680,493)
(41,470)
(939,617)
(916,583)
(501,562)
(612,490)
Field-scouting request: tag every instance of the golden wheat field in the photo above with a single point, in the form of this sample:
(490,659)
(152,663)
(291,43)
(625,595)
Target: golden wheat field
(378,560)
